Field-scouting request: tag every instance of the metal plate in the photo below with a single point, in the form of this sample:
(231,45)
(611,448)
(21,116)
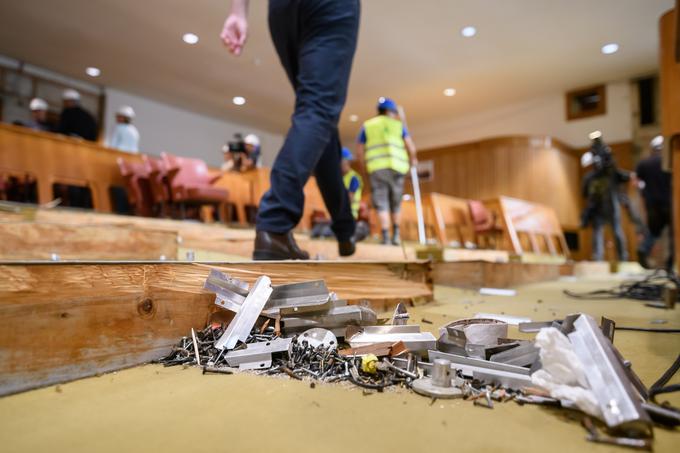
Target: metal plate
(319,337)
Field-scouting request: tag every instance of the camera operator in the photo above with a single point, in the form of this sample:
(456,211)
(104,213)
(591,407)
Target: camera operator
(242,154)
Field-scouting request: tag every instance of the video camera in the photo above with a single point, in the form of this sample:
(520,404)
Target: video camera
(237,145)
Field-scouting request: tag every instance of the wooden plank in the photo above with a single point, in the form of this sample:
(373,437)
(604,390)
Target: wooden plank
(478,274)
(63,321)
(39,241)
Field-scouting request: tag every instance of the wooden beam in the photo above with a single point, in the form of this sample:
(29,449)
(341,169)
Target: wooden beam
(38,241)
(64,321)
(482,274)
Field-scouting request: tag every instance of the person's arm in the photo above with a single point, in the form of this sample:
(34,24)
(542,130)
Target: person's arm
(361,157)
(235,30)
(247,164)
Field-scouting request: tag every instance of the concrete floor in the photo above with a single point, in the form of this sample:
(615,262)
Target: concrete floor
(151,408)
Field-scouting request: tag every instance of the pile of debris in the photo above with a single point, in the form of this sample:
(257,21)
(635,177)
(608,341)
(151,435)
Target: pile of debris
(303,330)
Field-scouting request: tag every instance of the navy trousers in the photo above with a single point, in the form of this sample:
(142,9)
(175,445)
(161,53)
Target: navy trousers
(315,41)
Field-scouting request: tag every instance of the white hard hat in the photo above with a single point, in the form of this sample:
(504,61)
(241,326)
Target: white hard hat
(595,134)
(252,139)
(126,111)
(657,142)
(37,104)
(586,159)
(70,95)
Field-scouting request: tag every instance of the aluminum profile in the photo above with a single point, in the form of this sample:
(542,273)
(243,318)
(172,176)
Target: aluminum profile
(239,328)
(620,405)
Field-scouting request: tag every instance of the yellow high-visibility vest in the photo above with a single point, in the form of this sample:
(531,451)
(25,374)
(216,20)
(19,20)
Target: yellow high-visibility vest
(356,199)
(384,145)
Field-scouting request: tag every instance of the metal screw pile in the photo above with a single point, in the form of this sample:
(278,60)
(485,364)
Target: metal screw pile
(183,352)
(322,363)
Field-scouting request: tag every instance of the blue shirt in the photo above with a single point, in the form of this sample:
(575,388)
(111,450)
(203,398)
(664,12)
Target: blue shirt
(353,184)
(362,135)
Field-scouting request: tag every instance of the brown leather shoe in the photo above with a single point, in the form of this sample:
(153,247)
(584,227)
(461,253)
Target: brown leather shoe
(272,246)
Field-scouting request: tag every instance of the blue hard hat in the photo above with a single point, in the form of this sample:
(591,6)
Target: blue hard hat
(347,154)
(387,104)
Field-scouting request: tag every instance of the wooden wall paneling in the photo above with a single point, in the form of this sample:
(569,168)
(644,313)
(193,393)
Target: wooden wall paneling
(533,168)
(669,77)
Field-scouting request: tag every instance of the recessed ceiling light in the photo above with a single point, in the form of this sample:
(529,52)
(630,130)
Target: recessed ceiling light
(610,48)
(92,71)
(354,118)
(190,38)
(239,100)
(468,31)
(449,92)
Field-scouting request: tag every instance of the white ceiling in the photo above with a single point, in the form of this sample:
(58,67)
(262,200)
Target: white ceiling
(409,50)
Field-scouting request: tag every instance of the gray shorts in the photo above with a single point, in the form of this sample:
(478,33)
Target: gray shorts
(387,187)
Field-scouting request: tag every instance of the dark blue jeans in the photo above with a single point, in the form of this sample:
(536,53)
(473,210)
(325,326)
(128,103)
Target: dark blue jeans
(315,41)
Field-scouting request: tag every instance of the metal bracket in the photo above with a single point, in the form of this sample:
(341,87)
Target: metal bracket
(230,292)
(297,298)
(239,328)
(410,335)
(257,355)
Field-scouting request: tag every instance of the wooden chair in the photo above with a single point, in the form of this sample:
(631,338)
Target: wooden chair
(136,176)
(190,182)
(487,232)
(158,185)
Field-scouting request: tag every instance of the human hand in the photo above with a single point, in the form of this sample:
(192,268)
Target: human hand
(235,32)
(414,161)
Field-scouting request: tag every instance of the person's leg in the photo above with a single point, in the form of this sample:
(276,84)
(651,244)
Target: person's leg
(619,236)
(652,233)
(380,192)
(315,41)
(396,193)
(598,237)
(333,190)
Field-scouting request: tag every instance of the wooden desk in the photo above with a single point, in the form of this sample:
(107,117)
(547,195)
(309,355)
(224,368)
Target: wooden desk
(52,158)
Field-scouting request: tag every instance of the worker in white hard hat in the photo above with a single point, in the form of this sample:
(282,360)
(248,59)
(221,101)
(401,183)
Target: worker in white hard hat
(75,120)
(242,154)
(38,120)
(125,134)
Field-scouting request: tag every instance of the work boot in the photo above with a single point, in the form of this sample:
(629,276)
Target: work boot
(347,248)
(642,259)
(385,238)
(396,237)
(273,246)
(396,240)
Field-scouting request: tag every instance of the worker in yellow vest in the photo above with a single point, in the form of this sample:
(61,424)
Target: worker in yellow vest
(352,180)
(386,151)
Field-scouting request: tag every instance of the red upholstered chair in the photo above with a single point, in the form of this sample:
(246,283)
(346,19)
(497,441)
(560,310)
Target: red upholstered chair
(158,184)
(190,182)
(137,185)
(487,232)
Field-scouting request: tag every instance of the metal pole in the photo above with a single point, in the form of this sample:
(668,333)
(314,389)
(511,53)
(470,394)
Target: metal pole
(416,191)
(419,206)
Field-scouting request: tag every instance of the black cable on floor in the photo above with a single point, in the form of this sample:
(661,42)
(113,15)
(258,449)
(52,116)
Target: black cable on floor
(648,329)
(649,289)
